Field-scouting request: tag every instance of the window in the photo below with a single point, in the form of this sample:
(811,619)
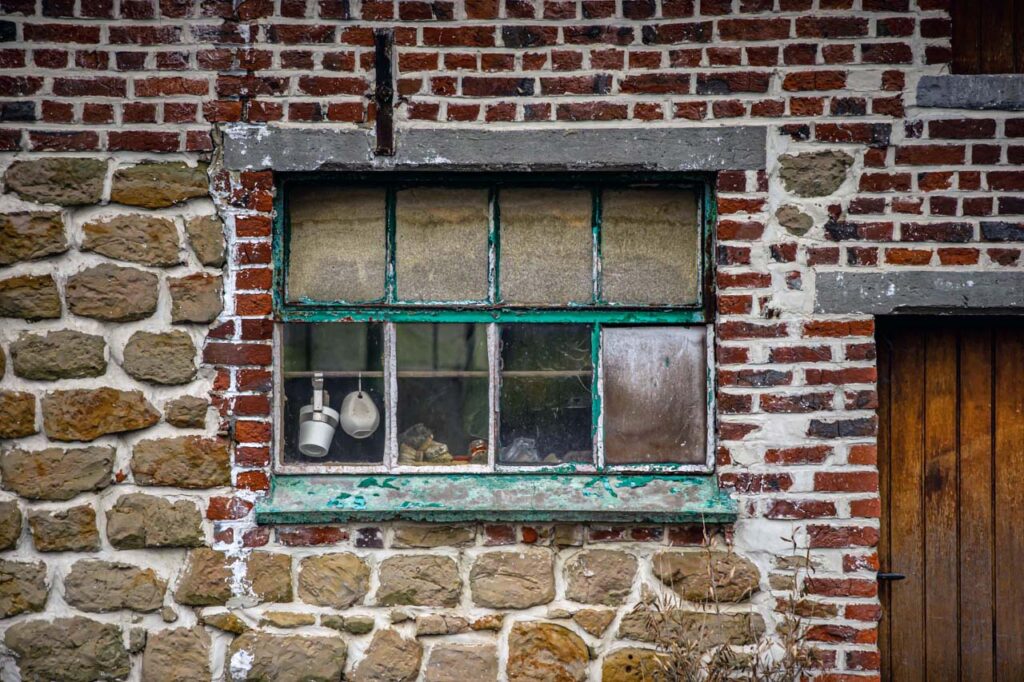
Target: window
(988,36)
(513,324)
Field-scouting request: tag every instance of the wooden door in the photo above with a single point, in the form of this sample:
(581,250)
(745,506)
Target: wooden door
(951,459)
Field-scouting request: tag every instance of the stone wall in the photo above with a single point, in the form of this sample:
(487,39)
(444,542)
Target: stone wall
(135,310)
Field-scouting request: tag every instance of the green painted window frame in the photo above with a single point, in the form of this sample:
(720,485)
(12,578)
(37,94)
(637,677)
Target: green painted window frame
(297,482)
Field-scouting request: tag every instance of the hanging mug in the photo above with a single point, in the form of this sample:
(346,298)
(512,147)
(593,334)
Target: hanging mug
(317,422)
(359,414)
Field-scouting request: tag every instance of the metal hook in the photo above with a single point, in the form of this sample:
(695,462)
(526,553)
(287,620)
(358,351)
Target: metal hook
(318,392)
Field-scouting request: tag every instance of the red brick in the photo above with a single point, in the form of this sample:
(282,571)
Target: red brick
(801,509)
(252,480)
(753,29)
(930,155)
(846,481)
(228,508)
(811,454)
(311,536)
(814,80)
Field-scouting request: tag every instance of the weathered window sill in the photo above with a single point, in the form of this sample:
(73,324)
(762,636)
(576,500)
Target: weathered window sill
(627,498)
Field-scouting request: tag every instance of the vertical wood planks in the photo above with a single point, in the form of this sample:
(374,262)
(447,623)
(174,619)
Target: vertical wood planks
(997,48)
(966,36)
(988,36)
(885,491)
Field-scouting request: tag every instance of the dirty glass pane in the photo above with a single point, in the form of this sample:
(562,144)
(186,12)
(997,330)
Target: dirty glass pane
(441,244)
(545,394)
(336,244)
(547,251)
(443,401)
(650,247)
(655,395)
(343,351)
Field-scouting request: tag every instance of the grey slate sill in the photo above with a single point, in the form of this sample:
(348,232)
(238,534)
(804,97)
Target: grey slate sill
(689,148)
(983,92)
(923,291)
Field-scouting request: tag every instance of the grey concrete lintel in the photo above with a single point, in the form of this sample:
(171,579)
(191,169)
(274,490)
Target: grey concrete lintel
(1004,92)
(883,293)
(287,149)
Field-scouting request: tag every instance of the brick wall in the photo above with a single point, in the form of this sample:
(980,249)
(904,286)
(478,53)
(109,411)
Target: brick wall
(110,537)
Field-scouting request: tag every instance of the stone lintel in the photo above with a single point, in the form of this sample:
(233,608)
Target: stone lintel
(883,293)
(972,92)
(286,149)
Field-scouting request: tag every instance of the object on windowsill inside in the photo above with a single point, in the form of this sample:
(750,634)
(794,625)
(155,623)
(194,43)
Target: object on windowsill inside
(359,416)
(317,422)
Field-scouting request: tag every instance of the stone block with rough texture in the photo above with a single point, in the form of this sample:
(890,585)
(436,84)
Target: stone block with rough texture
(22,587)
(86,414)
(142,239)
(513,580)
(206,237)
(428,536)
(30,297)
(10,524)
(63,354)
(711,629)
(62,181)
(707,576)
(195,298)
(99,586)
(594,621)
(160,358)
(205,578)
(159,185)
(187,412)
(544,652)
(56,473)
(263,657)
(180,655)
(137,521)
(633,664)
(68,649)
(65,530)
(336,580)
(269,575)
(182,462)
(462,663)
(224,621)
(17,414)
(420,580)
(600,576)
(113,293)
(29,235)
(389,658)
(814,174)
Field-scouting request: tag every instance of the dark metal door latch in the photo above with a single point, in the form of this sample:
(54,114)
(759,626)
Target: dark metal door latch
(891,576)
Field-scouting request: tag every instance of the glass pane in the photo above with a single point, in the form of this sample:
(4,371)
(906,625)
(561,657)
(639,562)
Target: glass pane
(343,351)
(441,244)
(655,394)
(650,247)
(336,244)
(443,402)
(545,396)
(547,246)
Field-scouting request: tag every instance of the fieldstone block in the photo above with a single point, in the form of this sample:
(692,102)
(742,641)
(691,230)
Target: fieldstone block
(541,652)
(187,412)
(137,521)
(64,354)
(814,174)
(143,239)
(65,530)
(100,586)
(206,236)
(195,298)
(263,657)
(594,621)
(181,655)
(113,293)
(158,185)
(182,462)
(225,621)
(462,663)
(633,664)
(161,358)
(68,650)
(62,181)
(707,576)
(389,658)
(433,624)
(205,579)
(28,235)
(56,473)
(270,576)
(22,587)
(337,580)
(286,619)
(714,629)
(10,524)
(30,297)
(429,536)
(17,414)
(600,576)
(419,581)
(796,222)
(513,580)
(86,414)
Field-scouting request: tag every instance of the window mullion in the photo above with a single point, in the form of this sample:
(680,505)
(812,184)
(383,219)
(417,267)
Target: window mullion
(494,249)
(493,385)
(596,228)
(597,393)
(390,398)
(390,245)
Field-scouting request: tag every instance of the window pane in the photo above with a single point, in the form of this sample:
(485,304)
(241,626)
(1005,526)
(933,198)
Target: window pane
(545,394)
(336,244)
(342,351)
(655,394)
(441,244)
(650,247)
(443,401)
(547,246)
